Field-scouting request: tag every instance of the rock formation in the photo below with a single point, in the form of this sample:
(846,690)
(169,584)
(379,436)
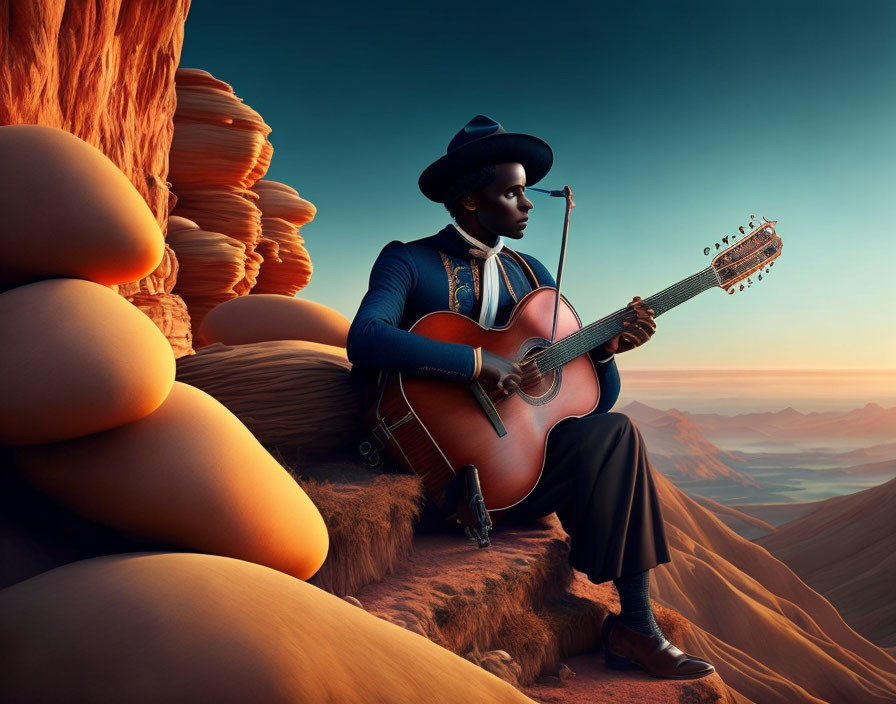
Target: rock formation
(178,627)
(295,396)
(225,213)
(259,318)
(84,65)
(287,266)
(517,609)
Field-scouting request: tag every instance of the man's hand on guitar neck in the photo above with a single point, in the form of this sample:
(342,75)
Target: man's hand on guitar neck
(639,328)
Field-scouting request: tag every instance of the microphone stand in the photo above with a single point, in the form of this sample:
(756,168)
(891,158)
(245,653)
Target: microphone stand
(567,194)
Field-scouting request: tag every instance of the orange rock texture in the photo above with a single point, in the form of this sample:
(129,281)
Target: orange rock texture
(84,65)
(287,266)
(225,213)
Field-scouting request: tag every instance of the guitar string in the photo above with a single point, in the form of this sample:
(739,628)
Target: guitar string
(578,341)
(575,346)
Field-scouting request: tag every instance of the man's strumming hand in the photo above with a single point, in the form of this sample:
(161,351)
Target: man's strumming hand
(499,373)
(639,328)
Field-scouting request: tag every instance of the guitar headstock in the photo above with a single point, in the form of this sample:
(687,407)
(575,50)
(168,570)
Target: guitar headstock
(755,252)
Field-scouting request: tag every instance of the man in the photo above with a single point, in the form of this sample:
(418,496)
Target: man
(596,474)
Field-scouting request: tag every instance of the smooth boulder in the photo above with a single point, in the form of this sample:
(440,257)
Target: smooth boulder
(68,211)
(268,316)
(198,628)
(76,359)
(189,474)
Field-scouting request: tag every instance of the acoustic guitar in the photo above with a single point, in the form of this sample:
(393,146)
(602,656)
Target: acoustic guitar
(434,427)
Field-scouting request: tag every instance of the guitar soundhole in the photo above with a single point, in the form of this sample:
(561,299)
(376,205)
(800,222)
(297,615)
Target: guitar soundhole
(547,387)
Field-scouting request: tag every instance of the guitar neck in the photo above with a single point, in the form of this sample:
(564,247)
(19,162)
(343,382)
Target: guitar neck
(605,329)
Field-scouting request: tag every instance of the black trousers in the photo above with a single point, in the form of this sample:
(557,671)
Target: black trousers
(598,480)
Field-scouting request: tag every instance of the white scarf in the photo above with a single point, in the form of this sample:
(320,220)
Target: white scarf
(491,287)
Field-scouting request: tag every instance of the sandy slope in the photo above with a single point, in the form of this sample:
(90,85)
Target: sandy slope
(844,550)
(764,628)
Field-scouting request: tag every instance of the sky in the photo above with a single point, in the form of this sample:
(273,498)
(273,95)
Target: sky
(671,121)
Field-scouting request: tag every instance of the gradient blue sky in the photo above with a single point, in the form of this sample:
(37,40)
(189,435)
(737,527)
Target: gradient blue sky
(671,121)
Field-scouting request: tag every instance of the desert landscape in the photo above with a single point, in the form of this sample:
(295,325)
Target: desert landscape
(184,514)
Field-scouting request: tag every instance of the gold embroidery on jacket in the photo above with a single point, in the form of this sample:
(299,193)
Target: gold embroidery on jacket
(455,286)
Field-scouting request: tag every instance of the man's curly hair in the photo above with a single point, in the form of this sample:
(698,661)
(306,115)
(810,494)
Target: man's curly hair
(465,183)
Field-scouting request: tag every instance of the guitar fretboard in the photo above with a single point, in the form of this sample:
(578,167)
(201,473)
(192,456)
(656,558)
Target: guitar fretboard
(605,329)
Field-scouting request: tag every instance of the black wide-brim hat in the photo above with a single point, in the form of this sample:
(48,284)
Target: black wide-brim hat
(484,142)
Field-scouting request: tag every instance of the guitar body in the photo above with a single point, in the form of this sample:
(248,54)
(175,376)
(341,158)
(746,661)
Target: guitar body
(434,427)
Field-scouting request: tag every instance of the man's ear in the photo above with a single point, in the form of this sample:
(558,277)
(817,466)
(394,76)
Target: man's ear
(470,202)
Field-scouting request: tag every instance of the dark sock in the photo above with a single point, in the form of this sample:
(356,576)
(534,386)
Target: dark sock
(634,598)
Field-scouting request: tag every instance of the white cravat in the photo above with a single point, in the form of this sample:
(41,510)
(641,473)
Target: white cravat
(490,286)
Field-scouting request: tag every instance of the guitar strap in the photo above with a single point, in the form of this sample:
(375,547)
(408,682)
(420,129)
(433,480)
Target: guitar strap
(524,265)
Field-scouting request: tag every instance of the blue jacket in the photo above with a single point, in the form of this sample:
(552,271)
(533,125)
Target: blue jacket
(409,280)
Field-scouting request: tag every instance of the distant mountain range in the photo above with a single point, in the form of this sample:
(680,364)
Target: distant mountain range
(870,424)
(804,456)
(678,448)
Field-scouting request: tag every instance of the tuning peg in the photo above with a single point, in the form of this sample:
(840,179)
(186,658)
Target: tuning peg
(771,263)
(765,219)
(731,290)
(760,277)
(706,250)
(749,281)
(741,230)
(766,270)
(725,239)
(752,224)
(741,288)
(718,246)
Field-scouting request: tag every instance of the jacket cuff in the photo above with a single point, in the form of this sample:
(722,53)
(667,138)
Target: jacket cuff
(477,362)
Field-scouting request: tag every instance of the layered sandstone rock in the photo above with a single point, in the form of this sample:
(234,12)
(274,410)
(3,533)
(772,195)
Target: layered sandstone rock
(287,265)
(91,59)
(219,150)
(212,266)
(228,223)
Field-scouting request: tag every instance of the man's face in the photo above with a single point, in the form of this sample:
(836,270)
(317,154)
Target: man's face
(502,207)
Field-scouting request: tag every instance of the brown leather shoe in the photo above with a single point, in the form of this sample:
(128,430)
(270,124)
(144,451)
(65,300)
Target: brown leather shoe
(625,648)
